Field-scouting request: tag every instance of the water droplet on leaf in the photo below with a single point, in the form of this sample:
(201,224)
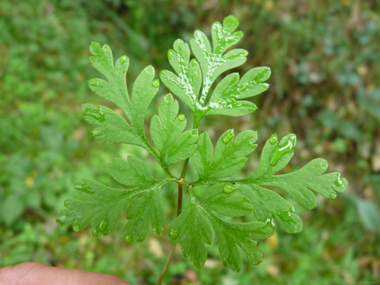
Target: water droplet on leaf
(181,117)
(96,132)
(128,238)
(333,195)
(194,133)
(96,232)
(103,224)
(93,82)
(173,233)
(280,150)
(229,188)
(76,228)
(170,54)
(194,62)
(253,145)
(61,220)
(228,136)
(273,139)
(339,181)
(156,83)
(324,164)
(82,186)
(123,59)
(168,97)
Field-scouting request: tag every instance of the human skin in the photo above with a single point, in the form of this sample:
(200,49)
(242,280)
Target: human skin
(33,273)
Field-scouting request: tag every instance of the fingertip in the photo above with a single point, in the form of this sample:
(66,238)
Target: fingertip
(33,273)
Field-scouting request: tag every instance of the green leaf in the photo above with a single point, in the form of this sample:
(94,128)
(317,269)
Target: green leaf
(195,224)
(115,88)
(230,235)
(208,65)
(298,184)
(228,158)
(102,206)
(225,99)
(195,230)
(131,172)
(144,210)
(167,133)
(113,128)
(270,205)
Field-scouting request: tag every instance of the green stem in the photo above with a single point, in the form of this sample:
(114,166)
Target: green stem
(167,262)
(179,210)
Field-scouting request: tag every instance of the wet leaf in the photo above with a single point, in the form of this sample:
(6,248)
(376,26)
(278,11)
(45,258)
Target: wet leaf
(229,157)
(167,133)
(193,79)
(201,220)
(298,184)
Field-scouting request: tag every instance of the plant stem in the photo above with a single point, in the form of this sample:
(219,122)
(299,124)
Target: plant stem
(167,262)
(179,210)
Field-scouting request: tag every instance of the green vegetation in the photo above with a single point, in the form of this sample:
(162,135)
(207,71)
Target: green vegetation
(324,88)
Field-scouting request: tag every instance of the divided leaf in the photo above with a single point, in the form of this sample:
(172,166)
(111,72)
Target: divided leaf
(225,99)
(298,184)
(229,157)
(115,90)
(146,209)
(131,172)
(102,206)
(208,65)
(202,217)
(113,128)
(167,133)
(195,230)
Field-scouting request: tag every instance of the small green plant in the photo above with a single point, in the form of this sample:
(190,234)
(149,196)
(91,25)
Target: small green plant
(204,218)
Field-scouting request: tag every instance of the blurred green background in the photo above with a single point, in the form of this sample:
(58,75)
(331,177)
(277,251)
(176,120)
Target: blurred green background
(325,87)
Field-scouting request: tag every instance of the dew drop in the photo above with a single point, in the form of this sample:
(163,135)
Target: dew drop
(181,117)
(174,233)
(170,54)
(273,139)
(253,145)
(280,150)
(123,59)
(128,238)
(76,228)
(106,48)
(323,164)
(229,188)
(284,215)
(61,220)
(194,132)
(83,187)
(93,82)
(339,181)
(103,224)
(168,97)
(96,132)
(96,232)
(156,83)
(333,195)
(228,136)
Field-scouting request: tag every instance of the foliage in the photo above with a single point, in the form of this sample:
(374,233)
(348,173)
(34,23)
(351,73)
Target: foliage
(204,219)
(323,58)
